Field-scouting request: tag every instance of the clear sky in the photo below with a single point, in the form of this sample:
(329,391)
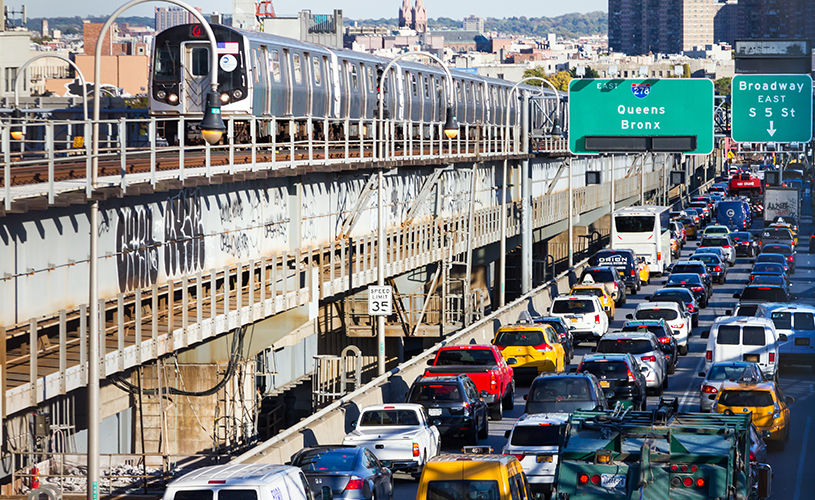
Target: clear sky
(355,9)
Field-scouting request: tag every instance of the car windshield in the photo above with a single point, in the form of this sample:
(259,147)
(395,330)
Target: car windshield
(666,314)
(688,268)
(606,369)
(768,267)
(657,330)
(467,489)
(591,292)
(777,233)
(373,418)
(716,230)
(714,250)
(740,236)
(327,460)
(679,293)
(427,393)
(536,435)
(557,325)
(684,279)
(572,306)
(771,257)
(549,389)
(622,346)
(707,258)
(475,357)
(714,242)
(522,338)
(768,279)
(776,249)
(746,398)
(727,372)
(764,294)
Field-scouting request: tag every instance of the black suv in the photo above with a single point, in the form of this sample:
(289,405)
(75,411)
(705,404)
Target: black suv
(620,376)
(625,262)
(695,267)
(692,282)
(746,245)
(453,404)
(565,393)
(758,294)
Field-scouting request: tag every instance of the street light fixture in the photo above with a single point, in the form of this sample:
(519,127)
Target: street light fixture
(212,126)
(16,127)
(451,124)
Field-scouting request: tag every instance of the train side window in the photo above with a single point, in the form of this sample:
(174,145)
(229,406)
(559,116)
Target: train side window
(458,90)
(255,66)
(426,88)
(371,85)
(297,72)
(200,61)
(414,84)
(276,65)
(354,77)
(317,73)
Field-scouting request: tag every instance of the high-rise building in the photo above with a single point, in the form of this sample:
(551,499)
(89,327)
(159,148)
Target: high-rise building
(666,26)
(167,17)
(473,23)
(779,18)
(729,23)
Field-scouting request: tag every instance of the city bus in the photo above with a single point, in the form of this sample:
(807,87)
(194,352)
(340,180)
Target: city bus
(647,231)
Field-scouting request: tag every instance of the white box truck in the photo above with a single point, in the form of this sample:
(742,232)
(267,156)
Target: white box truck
(780,200)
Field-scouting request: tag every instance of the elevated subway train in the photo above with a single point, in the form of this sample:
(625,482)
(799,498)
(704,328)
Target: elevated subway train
(267,76)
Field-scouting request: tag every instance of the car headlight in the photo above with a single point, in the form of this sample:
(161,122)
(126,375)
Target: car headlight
(777,415)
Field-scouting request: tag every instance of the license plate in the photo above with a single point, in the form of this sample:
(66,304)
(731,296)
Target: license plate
(751,358)
(802,341)
(573,320)
(603,383)
(544,459)
(434,412)
(612,480)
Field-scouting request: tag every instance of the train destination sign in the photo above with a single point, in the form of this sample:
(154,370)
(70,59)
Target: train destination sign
(630,115)
(772,108)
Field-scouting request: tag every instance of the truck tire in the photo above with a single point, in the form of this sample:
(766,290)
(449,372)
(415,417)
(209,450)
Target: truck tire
(497,410)
(509,400)
(683,350)
(472,436)
(484,433)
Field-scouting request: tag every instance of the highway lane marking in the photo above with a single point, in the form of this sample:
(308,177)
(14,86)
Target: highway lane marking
(692,385)
(800,477)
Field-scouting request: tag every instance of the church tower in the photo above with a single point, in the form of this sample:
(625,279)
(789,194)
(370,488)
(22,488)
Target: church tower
(405,15)
(420,17)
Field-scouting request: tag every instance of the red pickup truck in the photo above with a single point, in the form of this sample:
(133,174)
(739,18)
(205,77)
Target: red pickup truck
(487,368)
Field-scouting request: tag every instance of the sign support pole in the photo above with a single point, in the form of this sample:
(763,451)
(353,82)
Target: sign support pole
(503,245)
(571,215)
(526,217)
(380,271)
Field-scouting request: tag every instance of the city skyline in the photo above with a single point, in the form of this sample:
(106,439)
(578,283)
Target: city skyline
(456,9)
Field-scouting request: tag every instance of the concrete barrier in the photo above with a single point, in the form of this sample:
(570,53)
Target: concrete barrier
(332,423)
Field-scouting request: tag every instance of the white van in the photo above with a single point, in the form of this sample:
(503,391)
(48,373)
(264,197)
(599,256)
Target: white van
(241,482)
(795,326)
(742,338)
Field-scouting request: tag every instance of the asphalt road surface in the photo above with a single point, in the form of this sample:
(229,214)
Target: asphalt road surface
(793,468)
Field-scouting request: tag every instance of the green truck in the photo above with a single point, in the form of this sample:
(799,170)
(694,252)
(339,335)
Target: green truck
(622,454)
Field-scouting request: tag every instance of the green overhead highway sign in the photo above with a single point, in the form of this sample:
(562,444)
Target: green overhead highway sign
(772,108)
(617,115)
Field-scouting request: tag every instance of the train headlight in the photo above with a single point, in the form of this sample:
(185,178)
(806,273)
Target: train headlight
(224,98)
(172,98)
(237,94)
(161,95)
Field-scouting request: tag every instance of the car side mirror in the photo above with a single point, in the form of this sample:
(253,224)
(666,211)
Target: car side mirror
(507,433)
(736,295)
(666,348)
(647,297)
(705,334)
(606,308)
(700,374)
(643,369)
(354,424)
(526,396)
(572,328)
(430,362)
(789,400)
(512,361)
(793,297)
(728,312)
(629,316)
(594,349)
(698,244)
(549,309)
(573,369)
(665,282)
(752,261)
(388,464)
(327,493)
(766,434)
(484,394)
(436,422)
(782,337)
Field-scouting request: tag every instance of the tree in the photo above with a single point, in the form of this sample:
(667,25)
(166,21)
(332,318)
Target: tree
(723,85)
(686,70)
(590,73)
(560,80)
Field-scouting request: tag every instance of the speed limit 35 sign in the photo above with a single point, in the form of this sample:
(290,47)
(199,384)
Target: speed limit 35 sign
(380,300)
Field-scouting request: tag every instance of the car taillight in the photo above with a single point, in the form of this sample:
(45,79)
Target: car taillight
(772,357)
(789,258)
(631,377)
(718,269)
(752,456)
(632,272)
(493,381)
(466,409)
(543,347)
(709,356)
(659,255)
(596,319)
(727,246)
(355,483)
(415,449)
(652,359)
(759,242)
(584,478)
(615,286)
(709,389)
(665,340)
(698,289)
(595,479)
(520,457)
(691,308)
(563,335)
(700,482)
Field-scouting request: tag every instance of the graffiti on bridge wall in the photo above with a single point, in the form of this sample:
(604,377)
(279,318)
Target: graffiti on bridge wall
(184,246)
(136,250)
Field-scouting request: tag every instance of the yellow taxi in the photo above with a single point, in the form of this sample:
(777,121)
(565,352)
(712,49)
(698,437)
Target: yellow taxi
(598,290)
(789,226)
(766,403)
(533,348)
(473,476)
(674,247)
(644,271)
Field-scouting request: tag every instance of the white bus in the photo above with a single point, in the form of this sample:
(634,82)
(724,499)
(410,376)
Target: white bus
(647,231)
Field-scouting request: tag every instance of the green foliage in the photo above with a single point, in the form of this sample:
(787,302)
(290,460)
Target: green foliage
(590,73)
(723,85)
(686,70)
(560,80)
(73,25)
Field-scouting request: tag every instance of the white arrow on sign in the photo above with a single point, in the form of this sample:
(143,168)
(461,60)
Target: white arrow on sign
(771,130)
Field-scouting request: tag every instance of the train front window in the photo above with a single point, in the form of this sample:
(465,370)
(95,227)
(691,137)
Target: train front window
(166,65)
(199,63)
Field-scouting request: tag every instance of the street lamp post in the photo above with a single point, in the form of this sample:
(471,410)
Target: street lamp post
(213,133)
(450,131)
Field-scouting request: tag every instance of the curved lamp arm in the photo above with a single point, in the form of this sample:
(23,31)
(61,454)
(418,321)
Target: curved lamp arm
(416,53)
(527,79)
(22,69)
